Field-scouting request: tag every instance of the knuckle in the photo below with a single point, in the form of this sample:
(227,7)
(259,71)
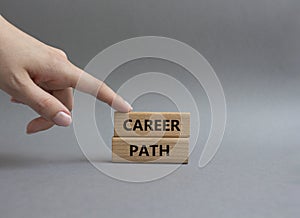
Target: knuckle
(58,53)
(57,61)
(62,53)
(16,82)
(43,105)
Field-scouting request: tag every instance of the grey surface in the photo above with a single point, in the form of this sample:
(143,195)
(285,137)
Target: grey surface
(254,48)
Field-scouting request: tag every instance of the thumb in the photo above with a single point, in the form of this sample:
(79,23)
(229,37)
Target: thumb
(46,105)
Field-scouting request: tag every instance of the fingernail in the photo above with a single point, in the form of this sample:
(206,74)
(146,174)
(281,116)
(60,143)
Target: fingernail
(129,105)
(62,119)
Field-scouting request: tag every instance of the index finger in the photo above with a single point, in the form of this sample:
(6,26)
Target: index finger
(85,82)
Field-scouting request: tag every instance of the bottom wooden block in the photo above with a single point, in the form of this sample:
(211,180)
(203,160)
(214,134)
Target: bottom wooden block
(150,150)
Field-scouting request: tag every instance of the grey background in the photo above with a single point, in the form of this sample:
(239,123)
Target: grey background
(254,48)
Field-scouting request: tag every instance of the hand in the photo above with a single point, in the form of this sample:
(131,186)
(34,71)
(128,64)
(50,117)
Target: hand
(41,77)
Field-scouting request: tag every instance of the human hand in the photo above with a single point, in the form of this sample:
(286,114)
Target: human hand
(43,78)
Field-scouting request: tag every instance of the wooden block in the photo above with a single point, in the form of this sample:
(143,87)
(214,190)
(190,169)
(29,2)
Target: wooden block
(152,124)
(151,150)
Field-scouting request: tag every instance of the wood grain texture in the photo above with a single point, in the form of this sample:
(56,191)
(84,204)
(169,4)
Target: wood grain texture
(150,150)
(152,124)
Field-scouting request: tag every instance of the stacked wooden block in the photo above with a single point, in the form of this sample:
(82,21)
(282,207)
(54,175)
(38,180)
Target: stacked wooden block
(154,137)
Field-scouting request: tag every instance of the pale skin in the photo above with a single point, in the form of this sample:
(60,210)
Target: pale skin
(42,77)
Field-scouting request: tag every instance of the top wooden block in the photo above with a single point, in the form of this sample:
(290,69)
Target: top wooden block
(152,124)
